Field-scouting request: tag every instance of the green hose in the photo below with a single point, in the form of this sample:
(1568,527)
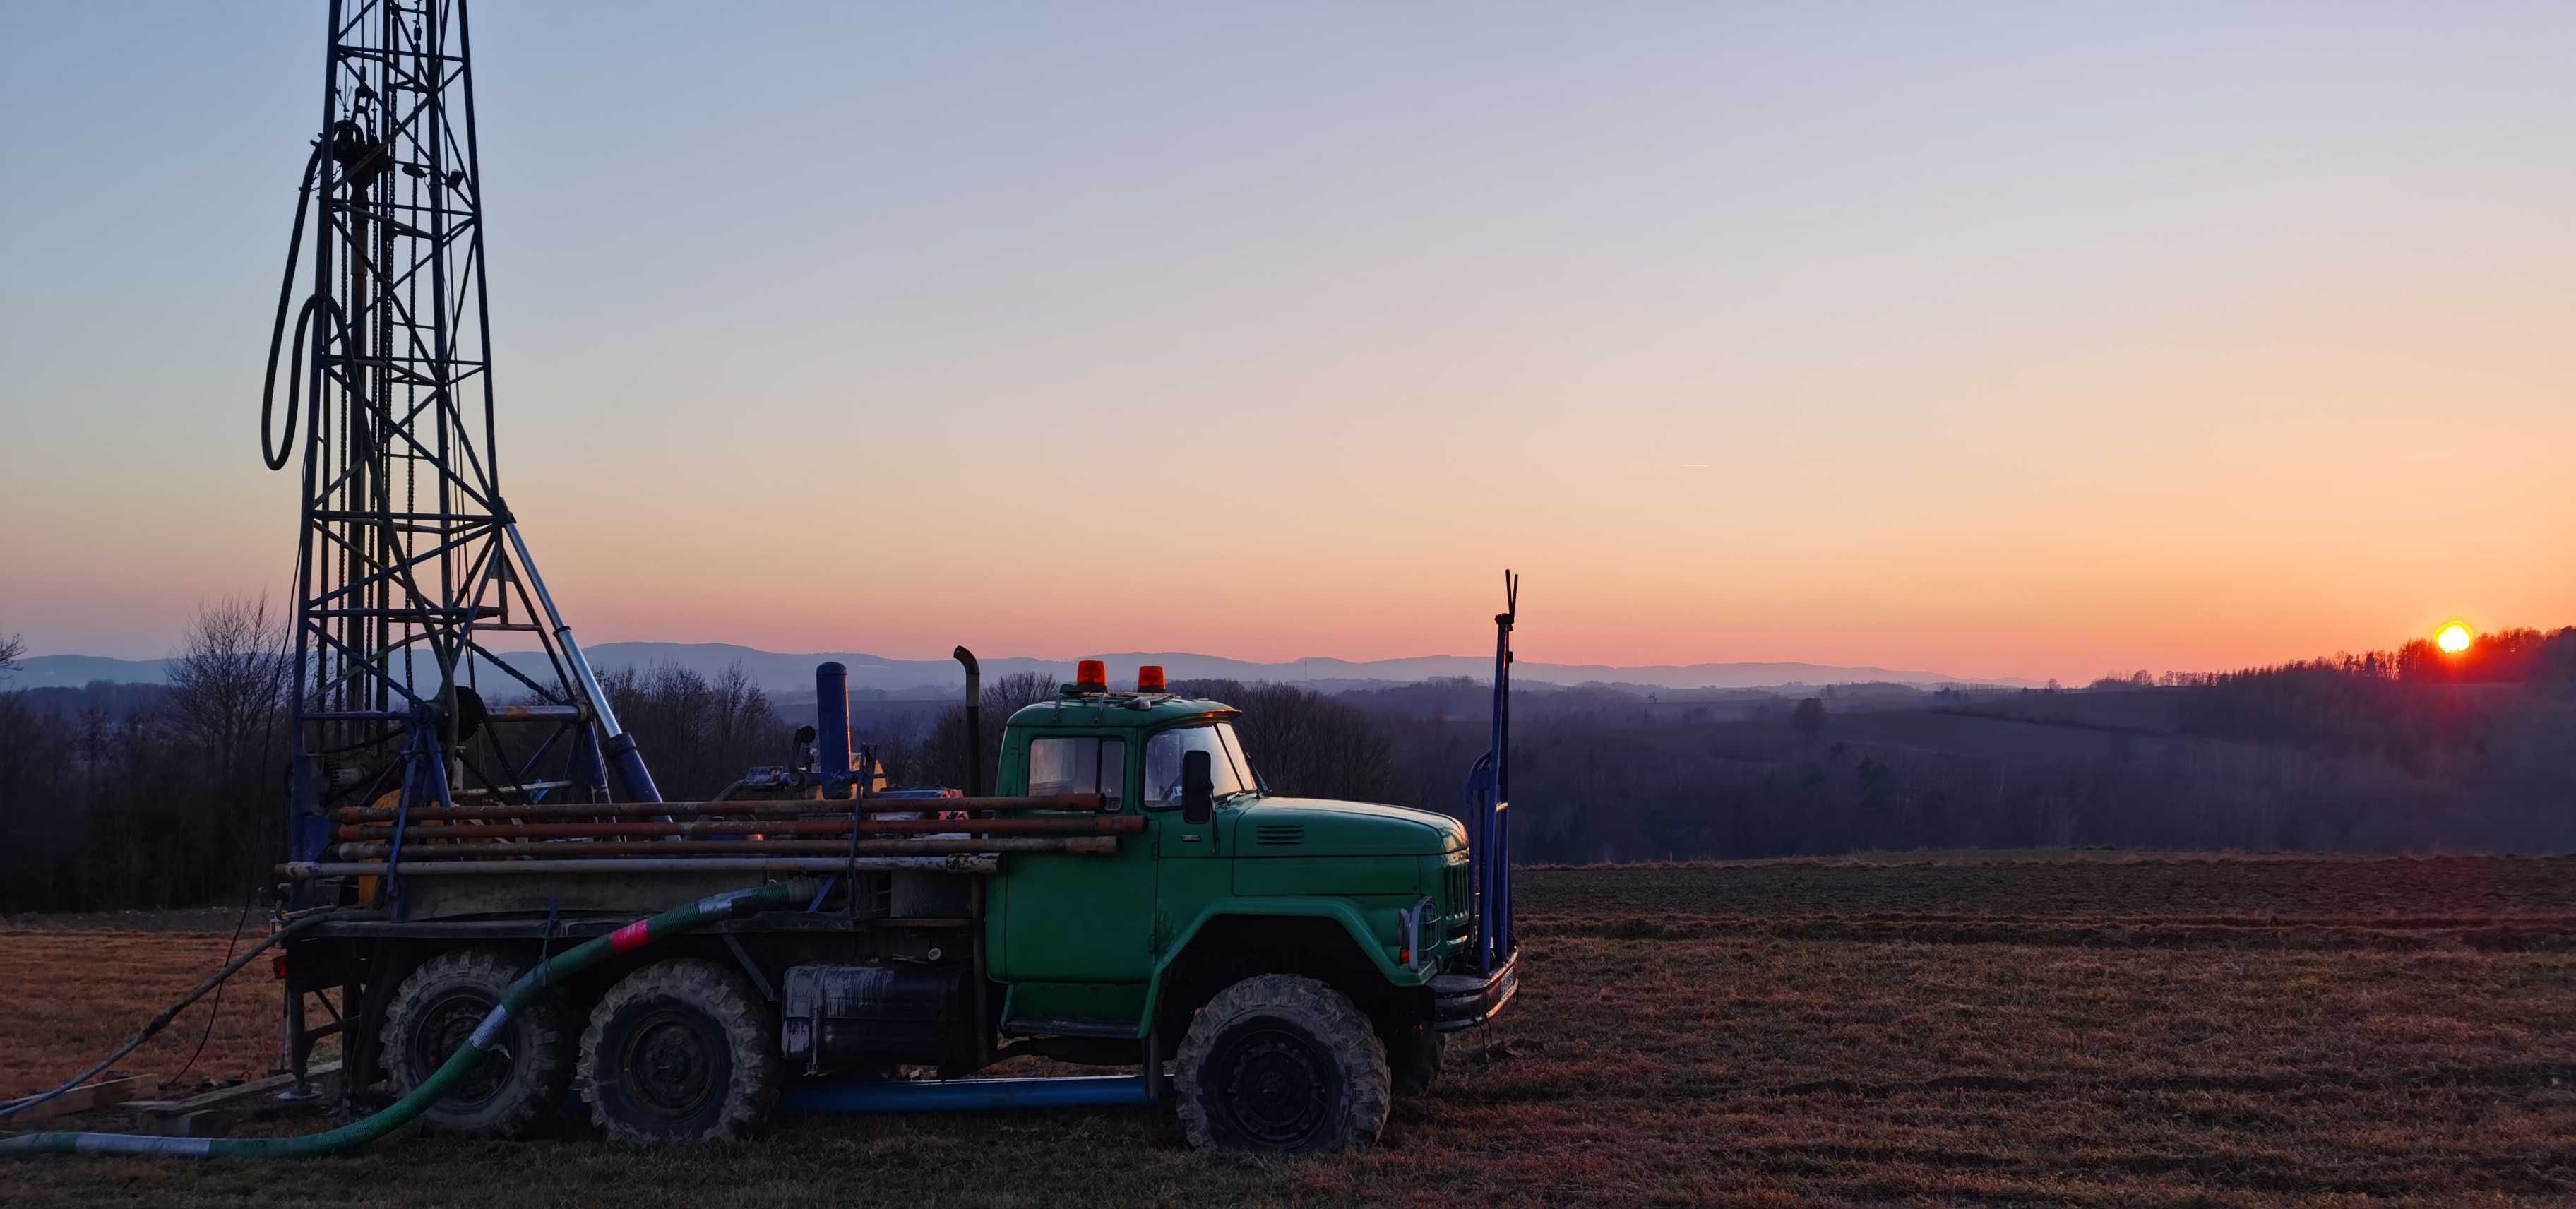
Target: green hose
(458,1065)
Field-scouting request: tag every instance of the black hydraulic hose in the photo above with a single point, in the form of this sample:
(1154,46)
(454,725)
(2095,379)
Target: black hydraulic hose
(215,1011)
(687,917)
(304,321)
(276,457)
(171,1012)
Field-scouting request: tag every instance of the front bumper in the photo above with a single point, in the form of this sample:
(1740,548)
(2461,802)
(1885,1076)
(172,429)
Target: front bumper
(1467,1000)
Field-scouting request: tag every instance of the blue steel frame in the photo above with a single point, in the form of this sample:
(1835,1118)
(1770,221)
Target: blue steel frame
(1489,805)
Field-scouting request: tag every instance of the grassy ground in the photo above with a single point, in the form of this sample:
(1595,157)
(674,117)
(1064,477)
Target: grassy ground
(1975,1031)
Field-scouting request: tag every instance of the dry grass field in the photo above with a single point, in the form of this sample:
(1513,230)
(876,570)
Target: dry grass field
(2002,1029)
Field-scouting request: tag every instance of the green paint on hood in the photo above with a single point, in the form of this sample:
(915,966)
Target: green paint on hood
(1268,826)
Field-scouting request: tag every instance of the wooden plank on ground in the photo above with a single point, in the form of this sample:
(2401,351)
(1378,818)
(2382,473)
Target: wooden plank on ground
(223,1095)
(87,1096)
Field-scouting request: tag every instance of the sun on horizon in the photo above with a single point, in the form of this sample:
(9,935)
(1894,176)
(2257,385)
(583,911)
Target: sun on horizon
(2453,638)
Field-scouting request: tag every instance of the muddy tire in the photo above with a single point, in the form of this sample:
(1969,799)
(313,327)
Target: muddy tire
(1415,1056)
(680,1051)
(437,1008)
(1282,1064)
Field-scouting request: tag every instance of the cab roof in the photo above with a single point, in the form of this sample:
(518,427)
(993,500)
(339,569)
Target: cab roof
(1127,711)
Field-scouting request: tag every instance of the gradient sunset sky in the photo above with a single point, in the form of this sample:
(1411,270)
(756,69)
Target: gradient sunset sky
(2008,340)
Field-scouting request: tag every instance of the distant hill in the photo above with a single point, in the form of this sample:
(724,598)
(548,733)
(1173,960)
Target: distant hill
(73,671)
(789,673)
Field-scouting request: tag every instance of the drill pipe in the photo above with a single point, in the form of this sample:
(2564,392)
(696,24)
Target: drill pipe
(579,850)
(1113,824)
(959,863)
(784,807)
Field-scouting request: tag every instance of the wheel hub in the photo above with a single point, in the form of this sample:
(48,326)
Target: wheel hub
(443,1029)
(670,1065)
(1277,1087)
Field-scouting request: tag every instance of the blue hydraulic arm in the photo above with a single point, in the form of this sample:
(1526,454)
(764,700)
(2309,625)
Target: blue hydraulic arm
(621,751)
(1489,804)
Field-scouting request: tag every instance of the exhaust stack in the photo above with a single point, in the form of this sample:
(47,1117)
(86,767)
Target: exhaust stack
(974,721)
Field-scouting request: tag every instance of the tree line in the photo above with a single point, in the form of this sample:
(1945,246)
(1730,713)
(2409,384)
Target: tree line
(151,796)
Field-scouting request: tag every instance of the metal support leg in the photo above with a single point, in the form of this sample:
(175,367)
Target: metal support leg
(299,1043)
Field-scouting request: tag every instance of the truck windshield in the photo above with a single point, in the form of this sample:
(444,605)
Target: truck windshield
(1225,762)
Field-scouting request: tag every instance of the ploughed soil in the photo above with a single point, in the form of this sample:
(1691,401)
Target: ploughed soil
(1951,1029)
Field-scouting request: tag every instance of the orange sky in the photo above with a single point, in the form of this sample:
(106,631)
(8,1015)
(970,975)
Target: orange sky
(2043,345)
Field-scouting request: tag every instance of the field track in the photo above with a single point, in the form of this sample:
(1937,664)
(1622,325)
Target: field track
(2008,1029)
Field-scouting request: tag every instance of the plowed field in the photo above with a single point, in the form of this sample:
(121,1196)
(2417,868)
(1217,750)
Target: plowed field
(2018,1029)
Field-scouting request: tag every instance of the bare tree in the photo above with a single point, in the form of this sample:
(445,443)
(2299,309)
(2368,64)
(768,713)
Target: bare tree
(941,757)
(698,734)
(12,648)
(228,689)
(230,677)
(1305,743)
(1008,695)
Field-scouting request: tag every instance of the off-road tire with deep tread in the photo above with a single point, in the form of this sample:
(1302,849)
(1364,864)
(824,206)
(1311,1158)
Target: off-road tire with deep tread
(1416,1054)
(437,1007)
(680,1051)
(1274,1032)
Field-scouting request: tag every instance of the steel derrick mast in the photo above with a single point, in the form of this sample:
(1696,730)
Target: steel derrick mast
(412,575)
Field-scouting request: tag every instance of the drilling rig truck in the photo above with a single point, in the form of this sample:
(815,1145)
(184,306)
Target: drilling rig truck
(461,884)
(1131,894)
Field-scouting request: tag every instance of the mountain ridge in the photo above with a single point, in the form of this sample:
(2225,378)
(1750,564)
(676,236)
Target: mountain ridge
(789,672)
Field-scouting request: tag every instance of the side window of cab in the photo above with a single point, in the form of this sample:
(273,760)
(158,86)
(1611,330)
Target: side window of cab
(1078,764)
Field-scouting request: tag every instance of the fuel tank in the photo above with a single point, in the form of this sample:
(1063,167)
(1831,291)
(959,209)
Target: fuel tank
(833,1016)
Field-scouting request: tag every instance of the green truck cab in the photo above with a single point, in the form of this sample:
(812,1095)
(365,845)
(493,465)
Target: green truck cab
(1359,913)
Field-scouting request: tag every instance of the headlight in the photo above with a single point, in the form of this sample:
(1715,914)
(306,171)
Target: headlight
(1414,954)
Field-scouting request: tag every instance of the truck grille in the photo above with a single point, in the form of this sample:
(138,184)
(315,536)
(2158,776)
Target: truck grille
(1459,894)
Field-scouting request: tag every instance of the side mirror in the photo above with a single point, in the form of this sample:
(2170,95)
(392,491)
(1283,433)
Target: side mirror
(1198,787)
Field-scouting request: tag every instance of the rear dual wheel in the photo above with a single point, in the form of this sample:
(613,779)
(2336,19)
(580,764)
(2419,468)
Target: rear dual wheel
(680,1051)
(519,1085)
